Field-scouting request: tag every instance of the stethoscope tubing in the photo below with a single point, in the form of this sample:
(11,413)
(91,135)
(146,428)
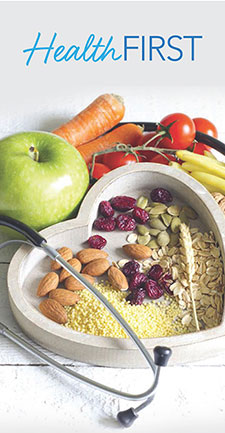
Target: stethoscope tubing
(38,241)
(199,136)
(80,378)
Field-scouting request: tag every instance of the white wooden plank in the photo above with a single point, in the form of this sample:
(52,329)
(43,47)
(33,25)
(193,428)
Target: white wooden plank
(39,399)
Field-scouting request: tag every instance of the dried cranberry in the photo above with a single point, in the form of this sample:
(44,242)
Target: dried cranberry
(130,268)
(140,215)
(165,282)
(97,242)
(123,203)
(106,209)
(155,272)
(125,223)
(153,289)
(136,297)
(167,276)
(137,280)
(161,195)
(106,224)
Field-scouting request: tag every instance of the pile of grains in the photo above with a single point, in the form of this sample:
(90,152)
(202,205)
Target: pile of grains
(170,315)
(151,319)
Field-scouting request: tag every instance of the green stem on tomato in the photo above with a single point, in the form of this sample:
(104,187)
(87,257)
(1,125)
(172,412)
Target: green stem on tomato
(128,149)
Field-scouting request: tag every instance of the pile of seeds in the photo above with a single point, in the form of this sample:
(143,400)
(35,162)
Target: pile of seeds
(171,315)
(208,279)
(162,228)
(149,320)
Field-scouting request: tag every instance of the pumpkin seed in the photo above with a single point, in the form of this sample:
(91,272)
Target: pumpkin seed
(153,244)
(143,240)
(154,232)
(158,210)
(175,224)
(173,210)
(155,203)
(142,230)
(183,217)
(166,218)
(156,223)
(190,212)
(174,238)
(131,238)
(142,202)
(163,239)
(148,208)
(153,217)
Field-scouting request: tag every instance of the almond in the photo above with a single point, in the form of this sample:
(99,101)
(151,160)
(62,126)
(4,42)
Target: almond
(66,254)
(48,282)
(96,267)
(117,278)
(75,263)
(53,310)
(89,254)
(73,284)
(64,297)
(137,251)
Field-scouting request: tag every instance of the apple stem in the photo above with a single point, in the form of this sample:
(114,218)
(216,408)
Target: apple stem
(33,153)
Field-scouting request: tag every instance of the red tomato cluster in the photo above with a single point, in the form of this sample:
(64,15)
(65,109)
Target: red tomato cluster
(175,131)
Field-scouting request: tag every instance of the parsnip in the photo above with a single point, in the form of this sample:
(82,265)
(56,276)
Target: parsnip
(214,181)
(203,162)
(210,188)
(209,154)
(188,166)
(175,165)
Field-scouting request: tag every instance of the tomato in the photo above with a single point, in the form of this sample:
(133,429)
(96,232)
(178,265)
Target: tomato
(159,159)
(182,131)
(99,159)
(200,147)
(205,126)
(100,170)
(147,155)
(117,159)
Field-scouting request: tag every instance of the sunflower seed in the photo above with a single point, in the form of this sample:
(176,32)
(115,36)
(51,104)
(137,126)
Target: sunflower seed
(131,238)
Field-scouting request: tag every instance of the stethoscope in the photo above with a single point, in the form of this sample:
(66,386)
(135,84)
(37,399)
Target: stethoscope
(161,354)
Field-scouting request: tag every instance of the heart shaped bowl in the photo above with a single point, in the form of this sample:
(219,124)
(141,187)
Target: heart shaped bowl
(29,265)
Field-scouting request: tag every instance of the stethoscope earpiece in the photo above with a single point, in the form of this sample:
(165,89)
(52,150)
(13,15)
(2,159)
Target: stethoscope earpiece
(127,417)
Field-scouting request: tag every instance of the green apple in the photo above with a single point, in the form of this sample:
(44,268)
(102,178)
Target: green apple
(42,178)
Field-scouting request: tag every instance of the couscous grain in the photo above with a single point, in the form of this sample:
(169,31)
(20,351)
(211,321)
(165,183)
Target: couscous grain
(151,319)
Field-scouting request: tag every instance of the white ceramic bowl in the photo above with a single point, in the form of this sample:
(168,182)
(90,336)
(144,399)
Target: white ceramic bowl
(29,265)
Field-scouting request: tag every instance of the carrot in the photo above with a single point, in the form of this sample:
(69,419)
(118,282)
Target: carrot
(100,116)
(126,134)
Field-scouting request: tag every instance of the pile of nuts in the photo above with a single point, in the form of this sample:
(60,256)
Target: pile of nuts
(91,262)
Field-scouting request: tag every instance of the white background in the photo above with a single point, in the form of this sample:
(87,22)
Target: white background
(34,397)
